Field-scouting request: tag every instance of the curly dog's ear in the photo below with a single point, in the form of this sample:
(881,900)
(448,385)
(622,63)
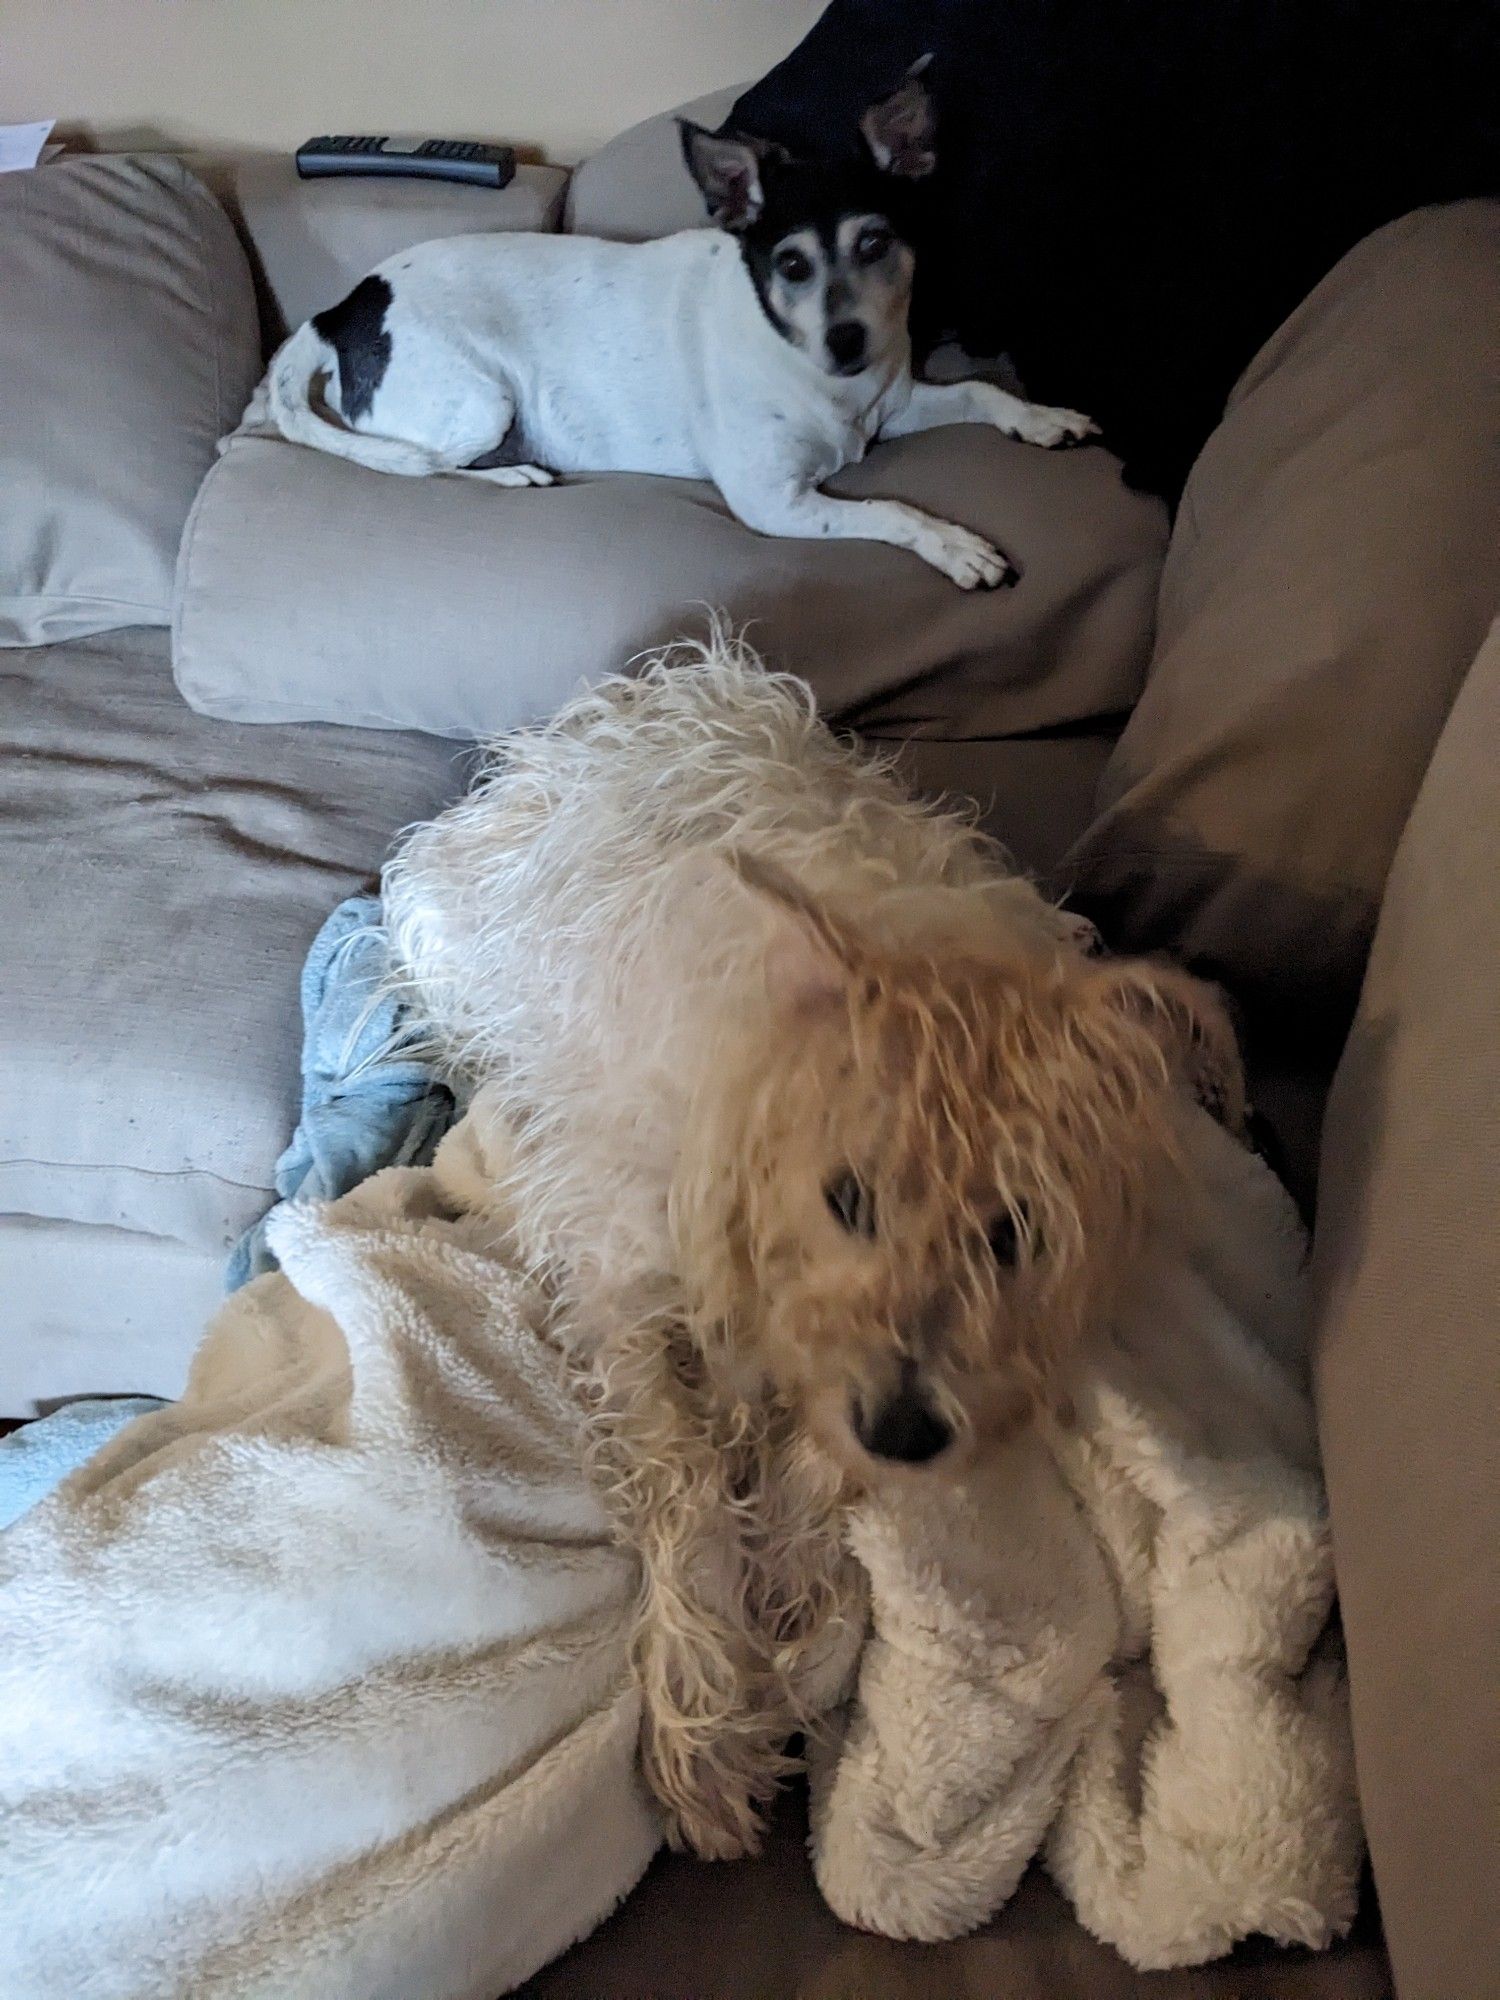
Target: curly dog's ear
(811,959)
(1190,1024)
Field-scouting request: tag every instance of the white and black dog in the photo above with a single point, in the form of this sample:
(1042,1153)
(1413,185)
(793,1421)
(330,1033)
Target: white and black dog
(763,354)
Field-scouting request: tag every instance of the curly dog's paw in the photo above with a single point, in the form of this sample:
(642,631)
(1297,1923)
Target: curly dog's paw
(713,1796)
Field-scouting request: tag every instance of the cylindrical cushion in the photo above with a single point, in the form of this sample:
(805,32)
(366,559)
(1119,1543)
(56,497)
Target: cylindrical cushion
(637,187)
(313,590)
(1333,569)
(128,345)
(1407,1273)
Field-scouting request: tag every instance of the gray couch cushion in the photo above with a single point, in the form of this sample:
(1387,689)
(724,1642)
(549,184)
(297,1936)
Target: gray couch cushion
(90,1310)
(128,345)
(310,588)
(160,881)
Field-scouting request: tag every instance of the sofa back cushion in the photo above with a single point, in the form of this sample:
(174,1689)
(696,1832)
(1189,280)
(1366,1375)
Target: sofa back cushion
(314,590)
(1335,563)
(128,346)
(637,187)
(310,242)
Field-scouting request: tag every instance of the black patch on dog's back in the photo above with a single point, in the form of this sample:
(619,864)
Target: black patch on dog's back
(355,330)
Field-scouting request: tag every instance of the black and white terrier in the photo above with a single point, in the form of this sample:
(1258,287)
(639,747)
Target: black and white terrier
(764,354)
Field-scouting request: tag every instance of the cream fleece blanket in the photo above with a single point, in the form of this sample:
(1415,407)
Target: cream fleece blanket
(314,1686)
(1114,1649)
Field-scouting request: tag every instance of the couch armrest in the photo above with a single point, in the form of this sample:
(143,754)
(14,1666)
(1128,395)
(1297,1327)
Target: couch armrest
(1407,1264)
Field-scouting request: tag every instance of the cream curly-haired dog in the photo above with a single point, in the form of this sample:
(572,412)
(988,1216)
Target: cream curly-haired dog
(831,1138)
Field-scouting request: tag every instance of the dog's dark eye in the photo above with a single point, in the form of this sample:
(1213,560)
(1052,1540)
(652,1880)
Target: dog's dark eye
(794,266)
(852,1202)
(1005,1235)
(872,244)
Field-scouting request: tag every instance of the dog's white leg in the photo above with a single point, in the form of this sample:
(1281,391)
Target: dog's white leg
(808,515)
(487,431)
(508,475)
(933,404)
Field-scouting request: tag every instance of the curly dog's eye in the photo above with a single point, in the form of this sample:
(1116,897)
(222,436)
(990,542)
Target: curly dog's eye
(1005,1234)
(852,1202)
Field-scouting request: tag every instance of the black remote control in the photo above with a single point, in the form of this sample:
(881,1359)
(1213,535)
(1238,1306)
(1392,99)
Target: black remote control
(426,159)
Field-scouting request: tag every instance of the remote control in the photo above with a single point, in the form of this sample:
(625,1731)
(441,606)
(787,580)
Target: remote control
(428,159)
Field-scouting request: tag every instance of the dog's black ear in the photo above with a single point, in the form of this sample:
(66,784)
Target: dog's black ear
(901,130)
(726,167)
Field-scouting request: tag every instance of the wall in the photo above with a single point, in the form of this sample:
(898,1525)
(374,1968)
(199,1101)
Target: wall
(560,76)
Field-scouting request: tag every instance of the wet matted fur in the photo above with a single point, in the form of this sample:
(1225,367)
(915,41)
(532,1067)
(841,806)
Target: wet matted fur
(831,1139)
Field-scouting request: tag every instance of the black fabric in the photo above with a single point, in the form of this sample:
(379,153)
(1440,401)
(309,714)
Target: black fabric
(1132,194)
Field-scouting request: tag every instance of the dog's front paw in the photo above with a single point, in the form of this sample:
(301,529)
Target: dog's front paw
(711,1796)
(968,559)
(519,475)
(712,1834)
(1050,428)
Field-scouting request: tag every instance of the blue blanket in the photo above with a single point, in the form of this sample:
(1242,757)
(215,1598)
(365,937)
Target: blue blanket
(40,1456)
(369,1099)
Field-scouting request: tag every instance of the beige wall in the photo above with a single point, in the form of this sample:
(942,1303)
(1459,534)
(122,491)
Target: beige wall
(558,75)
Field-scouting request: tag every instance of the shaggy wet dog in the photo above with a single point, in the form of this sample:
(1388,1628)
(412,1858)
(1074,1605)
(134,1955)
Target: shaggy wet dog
(831,1138)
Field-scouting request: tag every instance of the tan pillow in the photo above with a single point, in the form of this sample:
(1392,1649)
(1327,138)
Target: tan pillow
(128,345)
(637,186)
(1334,566)
(310,589)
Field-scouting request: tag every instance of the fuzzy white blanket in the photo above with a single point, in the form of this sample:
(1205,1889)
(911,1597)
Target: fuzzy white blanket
(315,1685)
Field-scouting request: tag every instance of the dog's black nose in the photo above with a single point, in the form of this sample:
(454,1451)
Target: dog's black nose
(847,341)
(904,1429)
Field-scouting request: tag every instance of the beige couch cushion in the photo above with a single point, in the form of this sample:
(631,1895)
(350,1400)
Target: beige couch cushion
(160,881)
(1335,563)
(1407,1269)
(128,344)
(161,878)
(637,186)
(311,589)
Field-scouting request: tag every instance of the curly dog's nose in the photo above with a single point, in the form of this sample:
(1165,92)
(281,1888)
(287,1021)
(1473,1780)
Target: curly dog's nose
(904,1429)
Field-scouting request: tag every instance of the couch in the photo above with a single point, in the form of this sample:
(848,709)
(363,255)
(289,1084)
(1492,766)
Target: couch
(1260,737)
